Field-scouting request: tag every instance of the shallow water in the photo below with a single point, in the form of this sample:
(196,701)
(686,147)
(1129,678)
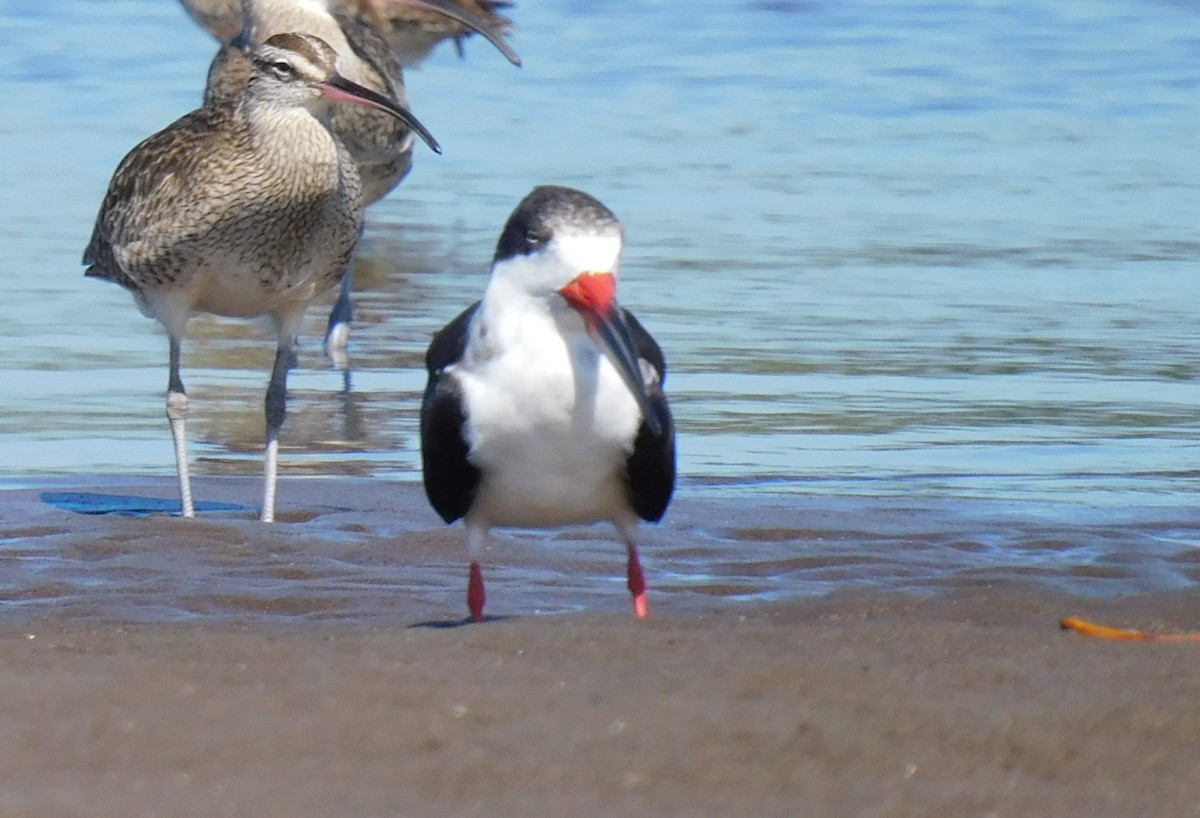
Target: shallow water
(368,551)
(938,253)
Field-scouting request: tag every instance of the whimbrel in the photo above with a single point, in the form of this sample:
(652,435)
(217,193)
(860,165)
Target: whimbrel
(381,146)
(544,405)
(247,208)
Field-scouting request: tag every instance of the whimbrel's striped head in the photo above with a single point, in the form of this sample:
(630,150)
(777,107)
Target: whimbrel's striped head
(297,69)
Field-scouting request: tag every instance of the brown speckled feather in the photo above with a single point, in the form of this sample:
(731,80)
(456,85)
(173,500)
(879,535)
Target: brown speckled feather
(258,197)
(147,205)
(153,228)
(380,145)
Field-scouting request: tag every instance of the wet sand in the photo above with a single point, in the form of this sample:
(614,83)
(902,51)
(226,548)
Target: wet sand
(967,702)
(971,704)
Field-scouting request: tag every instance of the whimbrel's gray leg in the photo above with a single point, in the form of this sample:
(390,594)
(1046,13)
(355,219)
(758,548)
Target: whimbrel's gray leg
(337,334)
(177,412)
(276,409)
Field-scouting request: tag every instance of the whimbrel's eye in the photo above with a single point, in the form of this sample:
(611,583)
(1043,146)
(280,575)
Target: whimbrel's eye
(283,69)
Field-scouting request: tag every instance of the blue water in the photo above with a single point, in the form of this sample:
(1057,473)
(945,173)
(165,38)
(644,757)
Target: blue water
(933,251)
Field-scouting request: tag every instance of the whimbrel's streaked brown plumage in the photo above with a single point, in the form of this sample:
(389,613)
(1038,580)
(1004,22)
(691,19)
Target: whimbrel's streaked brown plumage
(246,208)
(220,18)
(379,144)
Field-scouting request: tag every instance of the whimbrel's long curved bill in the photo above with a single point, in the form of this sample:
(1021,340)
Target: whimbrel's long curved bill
(341,89)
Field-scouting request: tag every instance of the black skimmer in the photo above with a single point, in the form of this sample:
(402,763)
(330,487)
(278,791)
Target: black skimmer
(247,208)
(544,405)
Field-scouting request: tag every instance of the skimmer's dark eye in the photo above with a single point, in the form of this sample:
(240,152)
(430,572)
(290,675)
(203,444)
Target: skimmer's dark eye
(535,238)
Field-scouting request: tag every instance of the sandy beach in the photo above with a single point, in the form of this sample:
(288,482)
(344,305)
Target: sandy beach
(968,702)
(973,704)
(925,277)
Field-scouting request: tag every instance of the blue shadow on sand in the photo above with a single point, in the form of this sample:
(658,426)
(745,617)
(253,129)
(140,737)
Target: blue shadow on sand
(125,505)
